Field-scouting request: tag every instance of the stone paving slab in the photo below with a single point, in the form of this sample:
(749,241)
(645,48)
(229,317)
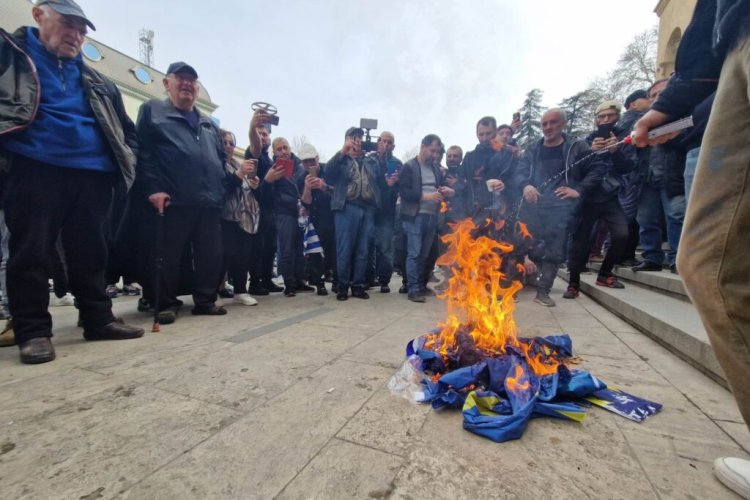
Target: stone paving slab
(289,399)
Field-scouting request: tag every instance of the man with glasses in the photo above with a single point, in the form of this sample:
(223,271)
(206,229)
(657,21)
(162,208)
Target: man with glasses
(65,141)
(181,171)
(602,204)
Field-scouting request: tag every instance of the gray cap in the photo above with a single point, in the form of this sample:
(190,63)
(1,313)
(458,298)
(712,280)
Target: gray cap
(307,152)
(68,8)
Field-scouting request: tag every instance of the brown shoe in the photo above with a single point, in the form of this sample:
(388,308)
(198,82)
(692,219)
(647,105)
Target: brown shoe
(8,336)
(37,350)
(113,331)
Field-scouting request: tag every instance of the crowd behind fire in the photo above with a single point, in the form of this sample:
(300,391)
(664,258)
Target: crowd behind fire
(164,204)
(90,198)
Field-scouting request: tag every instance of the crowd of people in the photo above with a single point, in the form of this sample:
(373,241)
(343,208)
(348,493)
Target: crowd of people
(90,198)
(167,203)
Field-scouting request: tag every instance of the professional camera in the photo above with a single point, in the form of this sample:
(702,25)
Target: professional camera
(368,124)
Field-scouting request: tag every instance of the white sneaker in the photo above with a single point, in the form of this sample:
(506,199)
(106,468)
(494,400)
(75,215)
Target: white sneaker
(734,473)
(245,299)
(65,300)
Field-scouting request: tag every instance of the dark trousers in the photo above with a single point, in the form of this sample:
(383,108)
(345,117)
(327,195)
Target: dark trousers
(353,225)
(44,202)
(290,263)
(262,273)
(240,248)
(549,225)
(317,266)
(609,213)
(201,228)
(59,270)
(633,239)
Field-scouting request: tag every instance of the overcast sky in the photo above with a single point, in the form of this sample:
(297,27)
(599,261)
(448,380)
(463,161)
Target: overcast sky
(418,66)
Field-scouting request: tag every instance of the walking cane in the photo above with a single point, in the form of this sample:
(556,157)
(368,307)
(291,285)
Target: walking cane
(159,258)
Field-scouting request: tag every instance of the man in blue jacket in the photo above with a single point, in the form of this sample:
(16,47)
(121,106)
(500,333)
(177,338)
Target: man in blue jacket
(65,140)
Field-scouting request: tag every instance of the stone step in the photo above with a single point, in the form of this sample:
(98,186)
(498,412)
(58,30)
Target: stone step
(670,321)
(659,281)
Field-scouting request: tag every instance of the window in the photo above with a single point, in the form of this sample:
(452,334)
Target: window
(142,75)
(91,52)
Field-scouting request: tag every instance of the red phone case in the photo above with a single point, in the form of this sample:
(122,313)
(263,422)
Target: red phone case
(287,166)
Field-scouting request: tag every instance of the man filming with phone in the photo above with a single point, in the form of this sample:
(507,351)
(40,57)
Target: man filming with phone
(602,204)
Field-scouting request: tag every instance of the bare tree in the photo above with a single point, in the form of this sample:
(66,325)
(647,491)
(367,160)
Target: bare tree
(297,142)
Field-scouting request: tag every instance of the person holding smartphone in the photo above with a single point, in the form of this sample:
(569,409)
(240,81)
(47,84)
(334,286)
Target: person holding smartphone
(282,179)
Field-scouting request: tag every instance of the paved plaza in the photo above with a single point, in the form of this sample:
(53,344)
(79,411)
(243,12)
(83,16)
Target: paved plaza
(289,400)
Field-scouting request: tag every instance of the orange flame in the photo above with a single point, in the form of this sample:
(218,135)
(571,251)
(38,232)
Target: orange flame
(514,384)
(524,230)
(478,304)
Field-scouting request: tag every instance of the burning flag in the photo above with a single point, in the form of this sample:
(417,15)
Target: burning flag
(475,359)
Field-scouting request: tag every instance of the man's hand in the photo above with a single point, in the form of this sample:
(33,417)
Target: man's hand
(436,196)
(446,192)
(254,182)
(349,147)
(274,174)
(160,201)
(598,144)
(565,193)
(260,117)
(496,185)
(651,120)
(451,180)
(611,143)
(246,168)
(529,265)
(530,194)
(392,179)
(515,125)
(478,173)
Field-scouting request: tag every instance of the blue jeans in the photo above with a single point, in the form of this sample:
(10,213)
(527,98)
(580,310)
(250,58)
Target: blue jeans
(290,262)
(419,236)
(691,163)
(654,200)
(353,225)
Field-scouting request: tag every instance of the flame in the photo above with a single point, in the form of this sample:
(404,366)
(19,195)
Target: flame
(479,308)
(524,230)
(514,384)
(443,207)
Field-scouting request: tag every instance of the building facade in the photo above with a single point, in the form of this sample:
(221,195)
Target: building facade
(137,82)
(674,17)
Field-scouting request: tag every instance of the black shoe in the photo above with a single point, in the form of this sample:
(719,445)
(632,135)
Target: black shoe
(167,317)
(304,288)
(673,269)
(335,288)
(210,310)
(322,290)
(258,290)
(646,265)
(289,292)
(36,351)
(144,306)
(572,292)
(416,297)
(385,289)
(403,289)
(427,292)
(360,293)
(113,331)
(226,293)
(342,295)
(272,287)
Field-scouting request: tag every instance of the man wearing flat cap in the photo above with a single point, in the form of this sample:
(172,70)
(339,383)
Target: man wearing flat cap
(181,172)
(65,141)
(356,196)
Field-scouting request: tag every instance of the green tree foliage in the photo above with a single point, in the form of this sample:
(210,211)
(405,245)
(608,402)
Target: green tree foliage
(531,115)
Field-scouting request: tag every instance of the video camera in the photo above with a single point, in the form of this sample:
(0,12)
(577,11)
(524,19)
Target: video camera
(368,124)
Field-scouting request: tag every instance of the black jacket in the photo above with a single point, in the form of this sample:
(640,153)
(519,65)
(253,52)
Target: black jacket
(286,195)
(585,177)
(717,26)
(616,165)
(176,159)
(388,195)
(472,195)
